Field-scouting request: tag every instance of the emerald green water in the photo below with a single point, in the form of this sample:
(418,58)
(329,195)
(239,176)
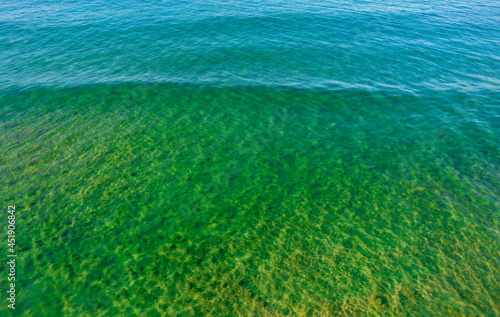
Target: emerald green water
(256,158)
(181,200)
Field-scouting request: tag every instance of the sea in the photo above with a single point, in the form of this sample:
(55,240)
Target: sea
(250,158)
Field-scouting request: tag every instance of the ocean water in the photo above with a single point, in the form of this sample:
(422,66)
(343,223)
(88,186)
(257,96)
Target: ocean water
(251,158)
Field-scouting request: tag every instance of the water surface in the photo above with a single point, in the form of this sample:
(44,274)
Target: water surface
(302,158)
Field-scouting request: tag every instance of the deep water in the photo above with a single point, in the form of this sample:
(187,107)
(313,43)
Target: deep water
(257,158)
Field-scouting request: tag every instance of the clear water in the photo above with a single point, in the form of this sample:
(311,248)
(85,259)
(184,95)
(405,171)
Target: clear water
(257,158)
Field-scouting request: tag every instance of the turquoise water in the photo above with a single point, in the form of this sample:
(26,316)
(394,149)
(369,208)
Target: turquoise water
(257,158)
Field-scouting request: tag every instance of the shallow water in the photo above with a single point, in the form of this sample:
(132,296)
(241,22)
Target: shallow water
(269,158)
